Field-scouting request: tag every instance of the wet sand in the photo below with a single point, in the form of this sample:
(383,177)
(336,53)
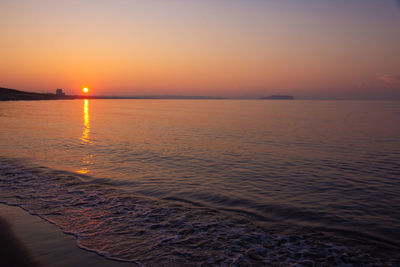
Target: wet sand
(27,240)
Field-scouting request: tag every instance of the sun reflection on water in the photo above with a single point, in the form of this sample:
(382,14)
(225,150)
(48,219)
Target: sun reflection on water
(85,138)
(86,122)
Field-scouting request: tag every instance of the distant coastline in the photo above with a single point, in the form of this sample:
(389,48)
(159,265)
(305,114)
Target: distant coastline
(277,97)
(7,94)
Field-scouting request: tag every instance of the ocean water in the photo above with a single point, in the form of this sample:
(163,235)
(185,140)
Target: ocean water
(210,182)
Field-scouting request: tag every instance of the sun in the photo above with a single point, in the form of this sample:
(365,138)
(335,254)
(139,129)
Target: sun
(85,90)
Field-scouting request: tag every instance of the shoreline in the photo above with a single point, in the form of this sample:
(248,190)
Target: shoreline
(7,94)
(28,240)
(154,233)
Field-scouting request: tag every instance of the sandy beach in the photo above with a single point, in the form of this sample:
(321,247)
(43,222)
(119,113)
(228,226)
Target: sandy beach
(28,240)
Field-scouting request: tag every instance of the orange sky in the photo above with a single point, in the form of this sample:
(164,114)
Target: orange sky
(308,48)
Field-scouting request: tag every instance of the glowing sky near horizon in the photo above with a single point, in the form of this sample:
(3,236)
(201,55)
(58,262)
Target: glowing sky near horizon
(234,48)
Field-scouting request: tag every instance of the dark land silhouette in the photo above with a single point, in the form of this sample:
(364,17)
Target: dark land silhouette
(278,97)
(7,94)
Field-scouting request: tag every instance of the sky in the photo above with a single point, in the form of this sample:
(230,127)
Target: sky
(230,48)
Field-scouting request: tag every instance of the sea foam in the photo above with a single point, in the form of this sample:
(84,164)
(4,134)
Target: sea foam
(148,231)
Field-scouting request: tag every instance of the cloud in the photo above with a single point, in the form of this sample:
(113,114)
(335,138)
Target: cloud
(390,79)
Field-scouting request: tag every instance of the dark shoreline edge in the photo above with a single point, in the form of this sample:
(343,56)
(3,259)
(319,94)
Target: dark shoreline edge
(33,241)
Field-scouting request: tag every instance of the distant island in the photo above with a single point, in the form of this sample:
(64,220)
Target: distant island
(278,97)
(7,94)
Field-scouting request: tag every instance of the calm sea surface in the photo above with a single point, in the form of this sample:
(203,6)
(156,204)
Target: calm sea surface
(144,179)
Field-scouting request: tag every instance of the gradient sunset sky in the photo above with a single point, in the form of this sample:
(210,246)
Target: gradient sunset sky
(232,48)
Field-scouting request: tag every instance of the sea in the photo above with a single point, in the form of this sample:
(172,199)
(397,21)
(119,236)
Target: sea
(210,182)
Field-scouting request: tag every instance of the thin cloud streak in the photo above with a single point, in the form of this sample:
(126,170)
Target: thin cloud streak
(390,79)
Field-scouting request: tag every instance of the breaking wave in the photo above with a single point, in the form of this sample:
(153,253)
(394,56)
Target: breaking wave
(153,232)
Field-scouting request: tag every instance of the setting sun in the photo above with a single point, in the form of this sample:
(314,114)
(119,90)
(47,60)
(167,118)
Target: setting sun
(85,90)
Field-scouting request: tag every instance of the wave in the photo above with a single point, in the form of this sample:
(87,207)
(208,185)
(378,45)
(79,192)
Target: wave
(113,222)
